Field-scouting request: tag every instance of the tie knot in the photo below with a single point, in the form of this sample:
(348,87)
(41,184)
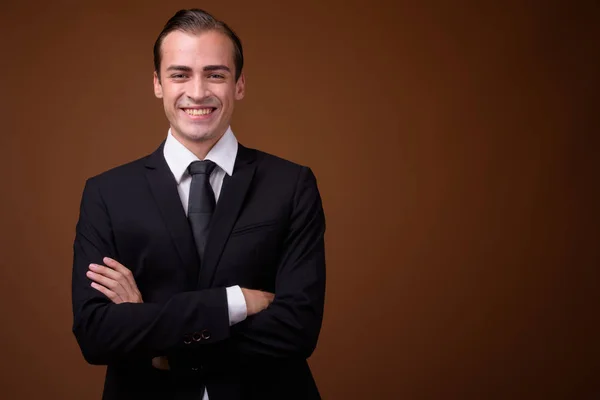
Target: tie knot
(201,167)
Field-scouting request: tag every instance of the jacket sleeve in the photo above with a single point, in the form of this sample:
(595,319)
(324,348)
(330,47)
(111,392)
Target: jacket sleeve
(108,332)
(290,326)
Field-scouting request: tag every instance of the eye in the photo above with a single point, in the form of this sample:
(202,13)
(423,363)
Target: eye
(178,76)
(216,76)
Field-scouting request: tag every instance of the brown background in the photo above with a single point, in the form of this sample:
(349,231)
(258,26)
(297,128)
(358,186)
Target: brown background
(455,149)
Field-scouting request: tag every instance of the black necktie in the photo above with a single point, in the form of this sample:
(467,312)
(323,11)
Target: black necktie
(201,203)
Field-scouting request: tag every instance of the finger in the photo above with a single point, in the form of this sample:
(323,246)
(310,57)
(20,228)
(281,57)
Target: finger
(128,276)
(115,276)
(269,296)
(109,283)
(126,272)
(161,363)
(106,271)
(114,297)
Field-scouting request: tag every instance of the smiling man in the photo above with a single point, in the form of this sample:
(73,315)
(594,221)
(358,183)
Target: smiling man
(199,270)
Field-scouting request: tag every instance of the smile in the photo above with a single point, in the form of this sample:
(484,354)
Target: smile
(199,111)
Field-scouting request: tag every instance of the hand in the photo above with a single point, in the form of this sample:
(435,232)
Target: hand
(257,300)
(161,363)
(115,281)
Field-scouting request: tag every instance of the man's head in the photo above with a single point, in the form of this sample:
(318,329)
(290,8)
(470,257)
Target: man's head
(196,21)
(198,63)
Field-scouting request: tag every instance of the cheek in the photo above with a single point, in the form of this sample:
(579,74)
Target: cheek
(227,99)
(170,96)
(225,93)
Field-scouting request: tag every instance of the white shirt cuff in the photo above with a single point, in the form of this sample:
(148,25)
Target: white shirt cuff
(236,304)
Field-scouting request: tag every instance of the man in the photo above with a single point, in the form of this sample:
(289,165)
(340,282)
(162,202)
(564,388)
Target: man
(199,270)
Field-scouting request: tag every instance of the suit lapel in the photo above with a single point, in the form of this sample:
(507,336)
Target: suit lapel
(164,189)
(231,199)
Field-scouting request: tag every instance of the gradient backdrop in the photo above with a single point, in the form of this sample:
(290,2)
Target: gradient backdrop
(455,148)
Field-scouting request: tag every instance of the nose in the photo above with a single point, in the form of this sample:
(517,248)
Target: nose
(197,90)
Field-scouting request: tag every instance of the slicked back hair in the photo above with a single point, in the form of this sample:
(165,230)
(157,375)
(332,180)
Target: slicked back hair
(196,21)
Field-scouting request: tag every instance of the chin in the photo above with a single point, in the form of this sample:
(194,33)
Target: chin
(199,136)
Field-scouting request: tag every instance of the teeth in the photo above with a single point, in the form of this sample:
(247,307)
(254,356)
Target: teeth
(201,111)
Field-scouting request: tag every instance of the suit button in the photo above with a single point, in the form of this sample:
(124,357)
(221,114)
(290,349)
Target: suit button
(187,338)
(205,334)
(197,336)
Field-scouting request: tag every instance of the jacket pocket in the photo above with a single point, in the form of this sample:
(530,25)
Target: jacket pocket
(253,227)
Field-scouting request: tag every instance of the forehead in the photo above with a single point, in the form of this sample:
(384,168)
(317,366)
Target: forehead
(196,49)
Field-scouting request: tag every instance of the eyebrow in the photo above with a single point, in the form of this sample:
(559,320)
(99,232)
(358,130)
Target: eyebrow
(206,68)
(179,68)
(216,68)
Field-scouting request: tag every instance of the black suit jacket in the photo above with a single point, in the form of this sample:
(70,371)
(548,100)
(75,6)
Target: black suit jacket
(267,233)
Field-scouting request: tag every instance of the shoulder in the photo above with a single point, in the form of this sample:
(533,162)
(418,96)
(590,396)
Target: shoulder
(125,174)
(279,171)
(128,171)
(275,165)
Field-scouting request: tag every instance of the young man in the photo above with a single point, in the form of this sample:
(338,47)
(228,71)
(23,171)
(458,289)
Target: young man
(199,270)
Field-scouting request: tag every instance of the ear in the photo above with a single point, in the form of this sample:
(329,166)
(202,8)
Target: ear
(240,87)
(157,87)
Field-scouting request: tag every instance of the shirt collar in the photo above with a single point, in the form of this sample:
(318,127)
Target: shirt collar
(179,157)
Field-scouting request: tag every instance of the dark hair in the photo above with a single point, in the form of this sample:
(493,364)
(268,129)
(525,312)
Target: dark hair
(196,21)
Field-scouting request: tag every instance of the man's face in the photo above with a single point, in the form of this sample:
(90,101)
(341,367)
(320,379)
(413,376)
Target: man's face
(198,84)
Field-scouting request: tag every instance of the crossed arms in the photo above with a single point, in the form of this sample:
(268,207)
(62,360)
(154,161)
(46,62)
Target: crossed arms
(111,322)
(117,283)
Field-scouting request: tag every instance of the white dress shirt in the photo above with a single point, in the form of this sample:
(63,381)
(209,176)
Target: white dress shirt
(223,154)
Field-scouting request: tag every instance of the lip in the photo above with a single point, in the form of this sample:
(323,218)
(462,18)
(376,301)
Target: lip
(198,117)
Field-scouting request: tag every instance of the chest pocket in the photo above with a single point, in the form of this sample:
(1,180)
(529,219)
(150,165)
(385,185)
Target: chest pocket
(257,226)
(251,255)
